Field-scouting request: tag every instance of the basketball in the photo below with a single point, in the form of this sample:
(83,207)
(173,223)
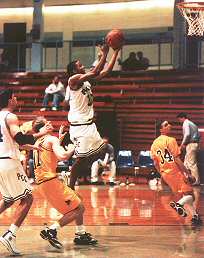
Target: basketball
(115,39)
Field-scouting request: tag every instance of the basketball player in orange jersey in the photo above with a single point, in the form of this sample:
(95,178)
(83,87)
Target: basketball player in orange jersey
(83,132)
(165,153)
(14,185)
(59,195)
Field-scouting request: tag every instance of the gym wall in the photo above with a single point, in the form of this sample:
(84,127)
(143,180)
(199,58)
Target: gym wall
(68,21)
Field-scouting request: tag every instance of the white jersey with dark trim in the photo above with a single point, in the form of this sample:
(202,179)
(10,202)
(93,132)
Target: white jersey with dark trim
(81,104)
(8,146)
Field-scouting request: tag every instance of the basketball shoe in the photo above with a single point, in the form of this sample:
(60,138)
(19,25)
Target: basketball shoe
(51,236)
(9,241)
(196,220)
(178,208)
(84,239)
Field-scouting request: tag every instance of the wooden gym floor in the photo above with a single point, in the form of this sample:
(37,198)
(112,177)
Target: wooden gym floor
(128,221)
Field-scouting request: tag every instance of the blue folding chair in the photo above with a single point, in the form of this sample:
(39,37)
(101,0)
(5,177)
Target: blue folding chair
(145,164)
(125,159)
(144,159)
(125,164)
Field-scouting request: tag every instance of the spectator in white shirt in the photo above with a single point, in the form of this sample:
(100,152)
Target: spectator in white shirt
(55,92)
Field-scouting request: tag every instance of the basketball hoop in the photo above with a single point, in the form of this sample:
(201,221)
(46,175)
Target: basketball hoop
(193,12)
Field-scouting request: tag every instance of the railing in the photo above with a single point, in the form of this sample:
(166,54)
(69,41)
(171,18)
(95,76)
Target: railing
(17,57)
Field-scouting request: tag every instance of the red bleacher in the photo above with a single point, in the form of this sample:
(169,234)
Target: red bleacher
(137,99)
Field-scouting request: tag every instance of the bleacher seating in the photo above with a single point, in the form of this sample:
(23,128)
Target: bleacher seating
(138,99)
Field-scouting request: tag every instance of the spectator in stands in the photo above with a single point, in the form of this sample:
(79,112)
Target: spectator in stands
(55,92)
(143,62)
(107,162)
(129,64)
(190,143)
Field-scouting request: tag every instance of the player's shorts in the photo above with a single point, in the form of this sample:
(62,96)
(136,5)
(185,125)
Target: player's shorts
(14,183)
(86,139)
(176,182)
(60,196)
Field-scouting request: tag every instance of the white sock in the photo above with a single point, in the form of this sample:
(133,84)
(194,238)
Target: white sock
(186,199)
(13,228)
(56,226)
(80,229)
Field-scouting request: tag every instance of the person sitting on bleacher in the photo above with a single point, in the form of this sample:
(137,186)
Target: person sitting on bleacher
(129,64)
(143,62)
(55,92)
(106,162)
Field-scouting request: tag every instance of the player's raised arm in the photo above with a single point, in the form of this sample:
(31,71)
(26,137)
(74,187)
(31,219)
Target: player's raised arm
(80,76)
(114,39)
(104,49)
(59,151)
(13,124)
(109,67)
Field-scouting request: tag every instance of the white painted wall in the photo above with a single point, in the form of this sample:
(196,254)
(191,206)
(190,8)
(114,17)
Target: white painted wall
(67,19)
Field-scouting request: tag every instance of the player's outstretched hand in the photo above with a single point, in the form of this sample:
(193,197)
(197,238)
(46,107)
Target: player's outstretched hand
(104,49)
(61,132)
(117,49)
(70,148)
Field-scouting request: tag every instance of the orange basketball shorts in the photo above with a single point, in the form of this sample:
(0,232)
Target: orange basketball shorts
(59,195)
(176,181)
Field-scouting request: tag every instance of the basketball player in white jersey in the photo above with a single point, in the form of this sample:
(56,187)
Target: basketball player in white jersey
(83,132)
(13,180)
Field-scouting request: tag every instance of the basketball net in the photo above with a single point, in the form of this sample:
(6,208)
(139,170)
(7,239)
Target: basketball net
(194,15)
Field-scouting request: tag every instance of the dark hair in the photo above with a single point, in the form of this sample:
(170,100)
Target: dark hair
(132,54)
(38,123)
(71,68)
(5,95)
(182,115)
(158,125)
(140,53)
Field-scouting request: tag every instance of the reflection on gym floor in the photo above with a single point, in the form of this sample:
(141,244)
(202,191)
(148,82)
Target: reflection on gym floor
(129,221)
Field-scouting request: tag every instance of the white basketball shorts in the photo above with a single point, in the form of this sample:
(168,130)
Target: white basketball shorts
(86,139)
(14,183)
